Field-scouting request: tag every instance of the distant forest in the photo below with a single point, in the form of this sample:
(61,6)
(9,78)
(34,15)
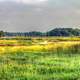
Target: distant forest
(54,32)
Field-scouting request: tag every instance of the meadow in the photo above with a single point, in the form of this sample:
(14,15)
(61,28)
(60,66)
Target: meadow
(40,58)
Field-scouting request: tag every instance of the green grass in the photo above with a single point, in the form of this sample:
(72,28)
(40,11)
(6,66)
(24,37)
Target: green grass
(56,64)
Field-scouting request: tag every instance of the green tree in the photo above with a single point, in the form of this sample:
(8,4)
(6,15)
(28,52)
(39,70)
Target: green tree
(1,33)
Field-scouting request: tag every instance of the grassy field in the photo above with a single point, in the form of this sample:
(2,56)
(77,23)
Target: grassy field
(48,58)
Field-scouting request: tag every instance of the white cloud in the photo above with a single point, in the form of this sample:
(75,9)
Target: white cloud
(31,1)
(27,1)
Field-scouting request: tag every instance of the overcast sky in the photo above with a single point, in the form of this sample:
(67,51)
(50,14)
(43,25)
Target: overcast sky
(38,15)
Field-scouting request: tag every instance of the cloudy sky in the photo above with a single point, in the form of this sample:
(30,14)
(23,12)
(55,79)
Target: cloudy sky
(39,15)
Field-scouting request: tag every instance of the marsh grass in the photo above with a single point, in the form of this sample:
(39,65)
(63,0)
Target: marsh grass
(57,64)
(60,63)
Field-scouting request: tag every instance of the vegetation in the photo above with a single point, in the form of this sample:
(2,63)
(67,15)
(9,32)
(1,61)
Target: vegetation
(40,58)
(64,32)
(1,33)
(54,32)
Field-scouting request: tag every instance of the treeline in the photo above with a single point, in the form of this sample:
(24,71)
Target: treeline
(63,32)
(54,32)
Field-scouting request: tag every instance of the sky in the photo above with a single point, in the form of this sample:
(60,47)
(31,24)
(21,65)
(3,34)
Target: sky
(38,15)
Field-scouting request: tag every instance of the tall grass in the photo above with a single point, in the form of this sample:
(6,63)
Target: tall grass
(54,64)
(59,59)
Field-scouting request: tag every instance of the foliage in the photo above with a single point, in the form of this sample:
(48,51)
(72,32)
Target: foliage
(54,32)
(1,33)
(64,32)
(56,60)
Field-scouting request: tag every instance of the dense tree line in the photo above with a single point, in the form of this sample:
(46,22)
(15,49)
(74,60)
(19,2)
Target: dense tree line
(33,33)
(54,32)
(64,32)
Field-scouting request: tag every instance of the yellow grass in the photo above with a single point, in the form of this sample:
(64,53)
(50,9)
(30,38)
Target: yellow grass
(38,46)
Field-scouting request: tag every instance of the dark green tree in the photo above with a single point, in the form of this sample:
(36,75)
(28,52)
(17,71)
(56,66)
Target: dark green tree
(1,33)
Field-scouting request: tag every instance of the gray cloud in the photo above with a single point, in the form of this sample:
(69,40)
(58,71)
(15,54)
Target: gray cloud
(41,17)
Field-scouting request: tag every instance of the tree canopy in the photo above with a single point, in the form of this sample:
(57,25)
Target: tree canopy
(54,32)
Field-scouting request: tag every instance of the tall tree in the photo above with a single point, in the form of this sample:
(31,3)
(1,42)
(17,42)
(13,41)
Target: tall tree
(1,33)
